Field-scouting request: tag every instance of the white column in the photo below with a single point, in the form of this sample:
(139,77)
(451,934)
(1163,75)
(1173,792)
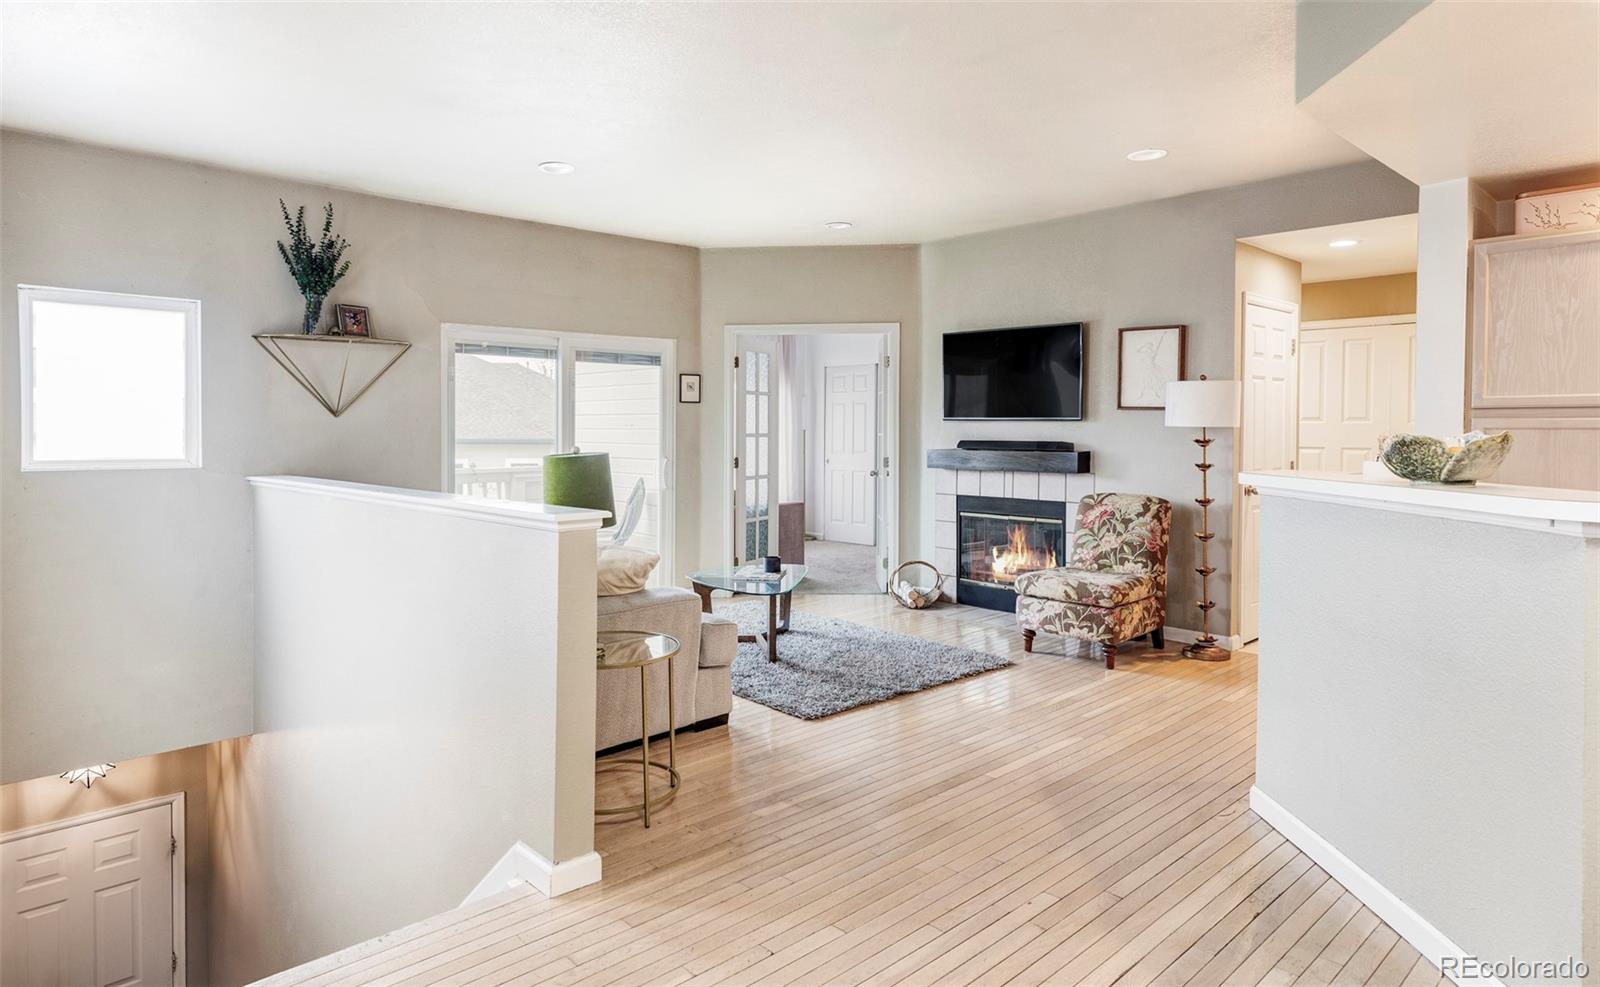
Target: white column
(1450,215)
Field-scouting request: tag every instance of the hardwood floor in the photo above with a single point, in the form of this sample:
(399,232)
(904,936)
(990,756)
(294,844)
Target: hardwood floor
(1048,823)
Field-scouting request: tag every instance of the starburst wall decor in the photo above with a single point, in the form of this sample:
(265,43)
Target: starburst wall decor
(88,776)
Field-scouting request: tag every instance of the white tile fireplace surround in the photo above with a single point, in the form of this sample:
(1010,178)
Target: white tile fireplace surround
(948,484)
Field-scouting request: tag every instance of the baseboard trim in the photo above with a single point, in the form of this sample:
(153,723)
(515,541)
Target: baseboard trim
(1413,928)
(521,865)
(1183,635)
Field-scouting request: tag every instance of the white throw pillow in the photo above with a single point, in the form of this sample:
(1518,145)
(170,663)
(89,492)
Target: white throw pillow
(620,571)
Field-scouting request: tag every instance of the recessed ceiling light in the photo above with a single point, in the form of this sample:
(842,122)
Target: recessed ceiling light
(838,224)
(1148,154)
(1341,244)
(556,168)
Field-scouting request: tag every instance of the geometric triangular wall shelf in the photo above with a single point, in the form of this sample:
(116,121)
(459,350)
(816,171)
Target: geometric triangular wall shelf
(336,370)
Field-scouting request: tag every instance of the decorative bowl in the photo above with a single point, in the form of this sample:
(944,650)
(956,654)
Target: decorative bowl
(1463,459)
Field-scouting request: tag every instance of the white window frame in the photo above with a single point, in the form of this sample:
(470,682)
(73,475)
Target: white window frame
(567,346)
(28,294)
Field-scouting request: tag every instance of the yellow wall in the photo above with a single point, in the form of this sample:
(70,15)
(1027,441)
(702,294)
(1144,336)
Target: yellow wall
(50,799)
(1357,298)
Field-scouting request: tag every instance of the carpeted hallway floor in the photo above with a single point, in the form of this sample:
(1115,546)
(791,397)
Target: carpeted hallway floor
(839,567)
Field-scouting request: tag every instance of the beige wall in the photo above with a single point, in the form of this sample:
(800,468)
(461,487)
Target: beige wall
(1147,264)
(805,285)
(128,625)
(1357,298)
(48,800)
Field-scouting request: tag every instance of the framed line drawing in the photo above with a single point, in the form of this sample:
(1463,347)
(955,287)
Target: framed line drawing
(1148,359)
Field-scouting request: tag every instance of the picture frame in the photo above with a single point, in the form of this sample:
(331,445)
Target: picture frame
(688,388)
(353,320)
(1148,359)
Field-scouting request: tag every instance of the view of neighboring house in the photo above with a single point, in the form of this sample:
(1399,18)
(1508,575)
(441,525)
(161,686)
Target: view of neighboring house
(1066,493)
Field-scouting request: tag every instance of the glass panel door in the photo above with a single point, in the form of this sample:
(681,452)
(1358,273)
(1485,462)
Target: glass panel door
(617,408)
(755,487)
(507,417)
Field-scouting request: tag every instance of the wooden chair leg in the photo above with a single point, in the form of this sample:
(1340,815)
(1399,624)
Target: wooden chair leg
(1027,640)
(1110,651)
(1158,638)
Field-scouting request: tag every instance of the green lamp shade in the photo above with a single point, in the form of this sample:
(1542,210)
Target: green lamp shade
(580,479)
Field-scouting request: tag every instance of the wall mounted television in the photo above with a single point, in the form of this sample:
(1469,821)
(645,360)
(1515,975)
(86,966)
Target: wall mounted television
(1026,373)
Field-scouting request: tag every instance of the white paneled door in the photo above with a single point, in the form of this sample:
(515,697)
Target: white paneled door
(91,903)
(1267,433)
(850,454)
(1355,387)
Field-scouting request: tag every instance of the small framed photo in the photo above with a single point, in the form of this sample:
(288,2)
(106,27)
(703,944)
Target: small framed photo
(353,320)
(1148,359)
(688,388)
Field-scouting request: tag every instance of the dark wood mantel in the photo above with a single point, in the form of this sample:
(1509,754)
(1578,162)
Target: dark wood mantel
(1029,460)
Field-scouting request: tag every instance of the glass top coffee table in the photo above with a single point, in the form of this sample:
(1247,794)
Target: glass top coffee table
(749,580)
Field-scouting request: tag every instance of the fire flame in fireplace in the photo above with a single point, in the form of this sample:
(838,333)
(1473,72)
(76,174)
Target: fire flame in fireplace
(1016,556)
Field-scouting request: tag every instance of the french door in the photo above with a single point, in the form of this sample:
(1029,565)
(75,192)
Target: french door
(755,462)
(513,396)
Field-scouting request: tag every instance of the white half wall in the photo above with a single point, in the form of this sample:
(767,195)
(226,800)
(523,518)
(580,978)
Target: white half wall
(1428,700)
(425,698)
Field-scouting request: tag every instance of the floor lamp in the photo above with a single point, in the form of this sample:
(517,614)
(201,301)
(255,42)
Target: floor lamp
(1204,404)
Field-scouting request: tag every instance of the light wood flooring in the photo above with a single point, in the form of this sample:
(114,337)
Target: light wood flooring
(1048,823)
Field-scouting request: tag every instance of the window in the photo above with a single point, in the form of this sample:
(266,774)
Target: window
(109,381)
(514,396)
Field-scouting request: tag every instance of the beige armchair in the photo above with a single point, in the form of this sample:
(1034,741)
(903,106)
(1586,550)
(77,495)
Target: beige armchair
(702,672)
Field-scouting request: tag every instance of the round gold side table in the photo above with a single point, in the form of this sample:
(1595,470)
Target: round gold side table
(640,649)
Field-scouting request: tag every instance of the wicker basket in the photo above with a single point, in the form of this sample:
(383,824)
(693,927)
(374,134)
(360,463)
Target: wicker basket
(914,597)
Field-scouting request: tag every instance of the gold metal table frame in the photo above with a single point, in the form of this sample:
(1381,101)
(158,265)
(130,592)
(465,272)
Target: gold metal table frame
(618,650)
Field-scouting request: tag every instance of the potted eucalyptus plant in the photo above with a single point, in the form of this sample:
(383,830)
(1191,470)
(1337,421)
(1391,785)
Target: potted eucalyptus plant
(315,266)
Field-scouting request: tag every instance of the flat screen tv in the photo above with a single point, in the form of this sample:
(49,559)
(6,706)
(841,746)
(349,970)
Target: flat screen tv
(1029,373)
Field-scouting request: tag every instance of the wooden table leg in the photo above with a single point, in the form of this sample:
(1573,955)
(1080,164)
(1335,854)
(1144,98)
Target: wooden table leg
(705,597)
(783,612)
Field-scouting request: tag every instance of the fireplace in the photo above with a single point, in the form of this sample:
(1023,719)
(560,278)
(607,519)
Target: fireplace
(1000,538)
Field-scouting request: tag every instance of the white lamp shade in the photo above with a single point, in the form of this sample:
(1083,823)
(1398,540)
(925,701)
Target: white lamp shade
(1203,403)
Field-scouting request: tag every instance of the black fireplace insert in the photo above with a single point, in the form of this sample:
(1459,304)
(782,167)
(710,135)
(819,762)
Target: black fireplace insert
(1000,538)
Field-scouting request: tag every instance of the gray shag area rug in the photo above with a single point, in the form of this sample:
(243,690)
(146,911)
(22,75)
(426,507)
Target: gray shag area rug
(827,666)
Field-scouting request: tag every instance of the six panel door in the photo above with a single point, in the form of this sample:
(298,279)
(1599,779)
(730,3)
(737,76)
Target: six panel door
(89,903)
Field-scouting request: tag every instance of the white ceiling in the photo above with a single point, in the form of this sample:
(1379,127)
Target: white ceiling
(708,124)
(1387,246)
(1510,95)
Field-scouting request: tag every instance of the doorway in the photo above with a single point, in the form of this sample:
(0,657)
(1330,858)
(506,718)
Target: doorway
(1326,330)
(96,899)
(812,423)
(1267,430)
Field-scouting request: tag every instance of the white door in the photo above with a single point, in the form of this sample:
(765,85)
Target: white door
(1267,440)
(90,903)
(849,454)
(1355,387)
(755,451)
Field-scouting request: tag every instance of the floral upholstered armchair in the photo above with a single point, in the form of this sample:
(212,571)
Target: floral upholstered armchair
(1114,588)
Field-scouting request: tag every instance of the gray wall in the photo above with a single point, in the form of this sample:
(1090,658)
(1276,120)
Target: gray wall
(1170,261)
(128,593)
(1330,34)
(1432,729)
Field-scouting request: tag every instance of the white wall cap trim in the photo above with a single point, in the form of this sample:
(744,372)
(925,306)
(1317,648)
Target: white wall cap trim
(1559,511)
(541,516)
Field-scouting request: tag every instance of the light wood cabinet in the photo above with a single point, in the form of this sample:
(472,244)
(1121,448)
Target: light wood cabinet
(1536,354)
